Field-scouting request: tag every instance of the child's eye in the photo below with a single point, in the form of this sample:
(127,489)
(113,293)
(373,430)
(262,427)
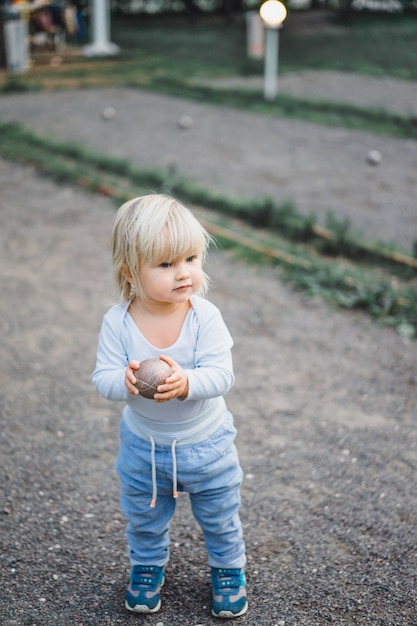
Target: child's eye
(165,264)
(190,259)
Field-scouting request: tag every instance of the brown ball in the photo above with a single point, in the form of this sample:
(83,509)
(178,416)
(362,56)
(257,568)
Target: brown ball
(151,373)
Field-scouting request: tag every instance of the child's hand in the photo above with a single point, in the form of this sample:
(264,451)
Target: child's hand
(175,386)
(130,378)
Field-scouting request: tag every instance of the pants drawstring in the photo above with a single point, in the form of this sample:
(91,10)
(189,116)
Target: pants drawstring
(154,487)
(174,471)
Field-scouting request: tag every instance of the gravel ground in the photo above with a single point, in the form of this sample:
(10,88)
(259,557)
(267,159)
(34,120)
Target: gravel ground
(325,400)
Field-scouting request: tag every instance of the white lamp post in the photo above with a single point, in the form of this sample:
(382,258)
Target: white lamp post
(273,13)
(100,16)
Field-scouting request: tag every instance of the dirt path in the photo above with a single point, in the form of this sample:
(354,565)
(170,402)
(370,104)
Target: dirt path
(325,404)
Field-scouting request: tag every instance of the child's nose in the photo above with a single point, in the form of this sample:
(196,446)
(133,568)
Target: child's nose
(183,270)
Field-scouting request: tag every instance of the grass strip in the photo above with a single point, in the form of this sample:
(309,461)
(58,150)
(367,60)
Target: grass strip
(348,288)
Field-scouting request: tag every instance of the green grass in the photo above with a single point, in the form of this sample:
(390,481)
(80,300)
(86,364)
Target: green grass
(213,46)
(366,44)
(385,45)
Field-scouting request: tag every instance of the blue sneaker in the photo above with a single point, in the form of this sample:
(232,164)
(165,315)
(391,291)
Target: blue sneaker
(143,594)
(229,592)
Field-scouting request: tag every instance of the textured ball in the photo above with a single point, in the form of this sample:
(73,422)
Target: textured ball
(151,373)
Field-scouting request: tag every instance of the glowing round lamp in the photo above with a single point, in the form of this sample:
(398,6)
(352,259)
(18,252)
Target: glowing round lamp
(273,13)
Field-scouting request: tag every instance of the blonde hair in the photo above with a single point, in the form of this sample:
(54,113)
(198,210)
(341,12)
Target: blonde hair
(153,229)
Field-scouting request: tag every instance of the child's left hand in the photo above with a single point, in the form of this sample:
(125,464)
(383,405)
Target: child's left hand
(175,386)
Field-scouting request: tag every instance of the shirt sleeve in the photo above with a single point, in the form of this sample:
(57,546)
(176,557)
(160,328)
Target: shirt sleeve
(112,360)
(212,375)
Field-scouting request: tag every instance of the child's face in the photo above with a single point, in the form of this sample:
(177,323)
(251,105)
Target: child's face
(174,281)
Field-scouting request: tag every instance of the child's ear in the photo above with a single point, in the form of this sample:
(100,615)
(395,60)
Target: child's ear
(126,273)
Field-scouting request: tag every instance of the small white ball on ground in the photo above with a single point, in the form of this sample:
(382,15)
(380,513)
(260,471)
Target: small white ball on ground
(151,374)
(374,157)
(185,121)
(108,113)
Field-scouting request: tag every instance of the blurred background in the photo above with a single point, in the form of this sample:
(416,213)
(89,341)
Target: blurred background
(339,64)
(181,39)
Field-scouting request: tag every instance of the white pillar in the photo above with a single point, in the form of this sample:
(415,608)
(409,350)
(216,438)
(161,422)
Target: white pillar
(273,13)
(271,64)
(16,39)
(100,19)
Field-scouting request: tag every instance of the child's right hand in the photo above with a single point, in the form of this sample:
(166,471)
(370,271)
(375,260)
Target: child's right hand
(130,378)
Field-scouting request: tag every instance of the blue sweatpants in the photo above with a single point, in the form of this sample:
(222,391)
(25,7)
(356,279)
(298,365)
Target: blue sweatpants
(209,471)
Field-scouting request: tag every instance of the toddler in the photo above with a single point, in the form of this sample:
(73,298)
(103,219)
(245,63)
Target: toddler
(183,439)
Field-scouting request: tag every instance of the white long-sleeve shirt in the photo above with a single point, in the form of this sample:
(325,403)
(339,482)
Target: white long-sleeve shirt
(203,349)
